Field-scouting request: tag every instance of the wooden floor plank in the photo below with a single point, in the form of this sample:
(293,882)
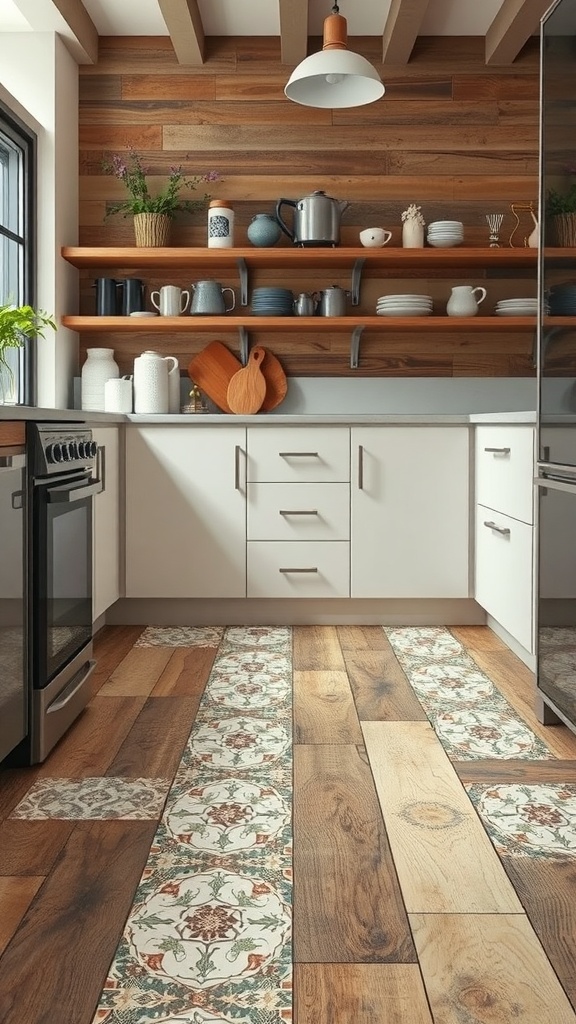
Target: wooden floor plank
(521,771)
(186,674)
(478,638)
(547,888)
(488,969)
(137,673)
(32,847)
(381,691)
(92,741)
(516,682)
(362,638)
(111,645)
(427,813)
(347,903)
(14,784)
(359,993)
(16,895)
(154,745)
(55,966)
(316,648)
(324,710)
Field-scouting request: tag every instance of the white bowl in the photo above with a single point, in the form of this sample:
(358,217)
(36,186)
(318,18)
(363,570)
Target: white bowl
(444,244)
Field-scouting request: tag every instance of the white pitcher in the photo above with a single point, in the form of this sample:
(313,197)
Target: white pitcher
(463,301)
(151,388)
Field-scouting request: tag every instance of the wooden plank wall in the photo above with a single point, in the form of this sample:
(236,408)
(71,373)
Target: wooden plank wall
(459,139)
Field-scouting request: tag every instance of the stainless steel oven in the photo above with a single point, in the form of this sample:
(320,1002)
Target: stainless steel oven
(13,676)
(63,479)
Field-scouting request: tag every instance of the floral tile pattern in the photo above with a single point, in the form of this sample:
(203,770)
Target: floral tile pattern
(90,799)
(528,820)
(180,636)
(208,939)
(469,715)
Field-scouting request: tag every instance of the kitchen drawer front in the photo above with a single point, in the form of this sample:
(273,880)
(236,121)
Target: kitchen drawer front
(298,512)
(504,565)
(299,454)
(505,470)
(325,565)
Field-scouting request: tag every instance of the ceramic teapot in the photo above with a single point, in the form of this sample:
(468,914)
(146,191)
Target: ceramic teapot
(208,299)
(463,301)
(316,219)
(151,387)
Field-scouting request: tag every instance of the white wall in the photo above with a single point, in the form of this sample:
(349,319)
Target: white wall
(39,82)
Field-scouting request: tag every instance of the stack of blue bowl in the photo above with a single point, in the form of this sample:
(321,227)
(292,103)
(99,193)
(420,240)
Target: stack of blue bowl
(272,302)
(562,300)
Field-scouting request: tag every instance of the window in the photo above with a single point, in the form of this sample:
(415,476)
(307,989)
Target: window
(17,242)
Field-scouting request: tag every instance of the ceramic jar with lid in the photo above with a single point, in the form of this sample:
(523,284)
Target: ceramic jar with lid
(220,224)
(99,367)
(264,230)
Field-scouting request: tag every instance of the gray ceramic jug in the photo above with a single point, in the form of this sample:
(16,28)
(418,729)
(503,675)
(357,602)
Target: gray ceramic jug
(208,299)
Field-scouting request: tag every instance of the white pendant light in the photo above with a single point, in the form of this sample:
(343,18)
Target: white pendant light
(334,77)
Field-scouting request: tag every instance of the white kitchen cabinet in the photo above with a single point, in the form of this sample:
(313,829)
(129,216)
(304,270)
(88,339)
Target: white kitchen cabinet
(504,533)
(410,512)
(107,552)
(185,511)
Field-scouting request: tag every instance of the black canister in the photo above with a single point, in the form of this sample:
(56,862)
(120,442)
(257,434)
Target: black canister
(132,295)
(107,303)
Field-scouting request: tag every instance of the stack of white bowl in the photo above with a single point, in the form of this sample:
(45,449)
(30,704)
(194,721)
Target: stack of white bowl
(443,234)
(404,305)
(516,307)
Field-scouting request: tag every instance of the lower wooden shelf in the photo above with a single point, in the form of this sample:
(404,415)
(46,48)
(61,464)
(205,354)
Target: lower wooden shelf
(305,324)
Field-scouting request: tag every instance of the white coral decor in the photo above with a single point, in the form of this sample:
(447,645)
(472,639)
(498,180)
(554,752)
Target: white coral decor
(413,213)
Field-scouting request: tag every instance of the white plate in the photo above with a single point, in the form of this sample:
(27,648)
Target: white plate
(444,244)
(413,297)
(516,312)
(403,311)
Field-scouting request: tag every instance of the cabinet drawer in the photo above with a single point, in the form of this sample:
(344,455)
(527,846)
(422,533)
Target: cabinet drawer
(324,569)
(504,562)
(298,454)
(505,470)
(298,512)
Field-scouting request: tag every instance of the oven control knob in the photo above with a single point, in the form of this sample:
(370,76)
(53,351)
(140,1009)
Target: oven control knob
(54,453)
(92,449)
(66,452)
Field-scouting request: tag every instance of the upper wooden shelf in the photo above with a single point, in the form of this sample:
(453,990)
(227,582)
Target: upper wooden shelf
(298,324)
(284,257)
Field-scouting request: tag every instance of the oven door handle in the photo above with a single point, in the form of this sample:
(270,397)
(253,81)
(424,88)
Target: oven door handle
(70,493)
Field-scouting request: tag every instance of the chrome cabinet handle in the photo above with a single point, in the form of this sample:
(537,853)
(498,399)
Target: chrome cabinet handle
(298,512)
(101,465)
(237,451)
(298,570)
(299,455)
(360,467)
(498,451)
(504,530)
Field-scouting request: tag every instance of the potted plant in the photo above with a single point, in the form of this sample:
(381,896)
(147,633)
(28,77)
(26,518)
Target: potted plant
(561,210)
(153,213)
(17,324)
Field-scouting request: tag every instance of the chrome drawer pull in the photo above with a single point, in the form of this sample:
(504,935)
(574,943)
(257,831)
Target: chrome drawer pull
(360,467)
(498,451)
(298,512)
(504,530)
(299,455)
(298,570)
(237,450)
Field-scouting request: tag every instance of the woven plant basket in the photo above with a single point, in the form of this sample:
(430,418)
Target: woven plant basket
(151,229)
(565,229)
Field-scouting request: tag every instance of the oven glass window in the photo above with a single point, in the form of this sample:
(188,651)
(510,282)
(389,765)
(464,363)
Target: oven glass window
(68,599)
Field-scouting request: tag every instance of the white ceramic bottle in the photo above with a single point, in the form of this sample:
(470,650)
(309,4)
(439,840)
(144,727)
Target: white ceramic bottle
(151,386)
(99,367)
(220,224)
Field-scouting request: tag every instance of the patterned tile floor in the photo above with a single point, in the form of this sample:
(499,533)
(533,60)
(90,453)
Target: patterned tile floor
(208,939)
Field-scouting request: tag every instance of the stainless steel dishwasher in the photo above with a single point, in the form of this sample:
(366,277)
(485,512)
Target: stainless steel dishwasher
(13,673)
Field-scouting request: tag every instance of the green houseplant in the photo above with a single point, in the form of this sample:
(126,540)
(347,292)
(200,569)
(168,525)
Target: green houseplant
(17,325)
(153,213)
(561,210)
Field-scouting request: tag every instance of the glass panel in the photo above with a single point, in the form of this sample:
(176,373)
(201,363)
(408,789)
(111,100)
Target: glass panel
(11,186)
(69,592)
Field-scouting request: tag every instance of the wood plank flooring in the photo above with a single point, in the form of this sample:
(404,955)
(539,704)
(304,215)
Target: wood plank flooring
(403,911)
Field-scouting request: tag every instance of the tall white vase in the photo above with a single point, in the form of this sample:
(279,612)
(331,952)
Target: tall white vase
(412,234)
(99,367)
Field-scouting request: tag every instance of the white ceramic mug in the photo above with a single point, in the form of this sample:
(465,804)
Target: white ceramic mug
(170,300)
(374,238)
(118,394)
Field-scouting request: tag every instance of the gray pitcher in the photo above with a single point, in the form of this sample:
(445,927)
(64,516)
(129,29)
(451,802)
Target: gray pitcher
(208,299)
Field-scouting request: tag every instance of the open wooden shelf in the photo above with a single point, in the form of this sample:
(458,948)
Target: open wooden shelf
(305,324)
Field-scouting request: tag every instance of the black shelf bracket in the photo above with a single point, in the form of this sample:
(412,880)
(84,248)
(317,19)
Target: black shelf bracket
(356,278)
(355,347)
(243,275)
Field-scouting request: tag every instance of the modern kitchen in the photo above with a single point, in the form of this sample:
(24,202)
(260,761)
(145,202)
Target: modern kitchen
(287,612)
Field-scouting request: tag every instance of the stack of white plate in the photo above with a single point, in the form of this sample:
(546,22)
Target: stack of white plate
(516,307)
(443,234)
(404,305)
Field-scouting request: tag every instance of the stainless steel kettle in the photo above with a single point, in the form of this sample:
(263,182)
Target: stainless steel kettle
(316,219)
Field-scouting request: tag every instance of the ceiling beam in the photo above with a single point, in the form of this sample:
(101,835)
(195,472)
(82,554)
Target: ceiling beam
(293,30)
(401,30)
(512,27)
(185,29)
(70,19)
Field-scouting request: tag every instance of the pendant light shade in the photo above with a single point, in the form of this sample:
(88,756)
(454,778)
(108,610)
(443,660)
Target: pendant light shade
(334,77)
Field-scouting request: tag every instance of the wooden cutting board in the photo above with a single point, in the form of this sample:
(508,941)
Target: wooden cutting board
(212,370)
(276,383)
(247,389)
